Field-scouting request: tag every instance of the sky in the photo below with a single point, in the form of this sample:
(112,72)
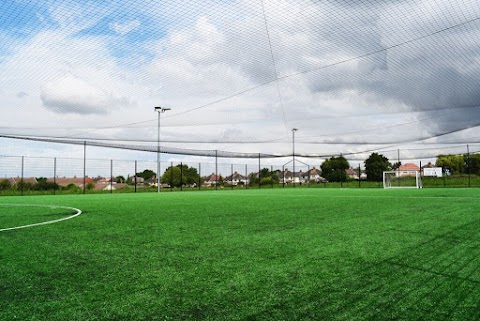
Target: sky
(351,76)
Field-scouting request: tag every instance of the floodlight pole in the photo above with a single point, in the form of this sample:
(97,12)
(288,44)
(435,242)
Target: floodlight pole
(159,110)
(293,154)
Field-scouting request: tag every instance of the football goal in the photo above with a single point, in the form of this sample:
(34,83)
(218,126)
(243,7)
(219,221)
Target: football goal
(402,179)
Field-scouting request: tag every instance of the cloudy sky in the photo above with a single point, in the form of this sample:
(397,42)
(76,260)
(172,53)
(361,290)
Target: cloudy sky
(239,75)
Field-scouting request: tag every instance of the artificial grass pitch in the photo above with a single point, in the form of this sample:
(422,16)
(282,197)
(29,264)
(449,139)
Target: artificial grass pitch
(297,254)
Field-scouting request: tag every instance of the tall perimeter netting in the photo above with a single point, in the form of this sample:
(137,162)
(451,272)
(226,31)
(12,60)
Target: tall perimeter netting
(238,77)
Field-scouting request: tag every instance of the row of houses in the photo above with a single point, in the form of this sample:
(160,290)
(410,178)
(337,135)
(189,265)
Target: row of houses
(100,184)
(312,175)
(285,177)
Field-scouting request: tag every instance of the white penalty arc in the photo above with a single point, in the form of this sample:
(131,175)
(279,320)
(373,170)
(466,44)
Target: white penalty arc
(78,212)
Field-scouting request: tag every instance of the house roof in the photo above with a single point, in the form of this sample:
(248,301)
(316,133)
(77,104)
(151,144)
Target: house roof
(64,181)
(314,171)
(290,174)
(351,172)
(107,187)
(213,178)
(235,176)
(408,167)
(17,180)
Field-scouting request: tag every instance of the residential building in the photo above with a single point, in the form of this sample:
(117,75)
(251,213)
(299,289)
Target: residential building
(235,179)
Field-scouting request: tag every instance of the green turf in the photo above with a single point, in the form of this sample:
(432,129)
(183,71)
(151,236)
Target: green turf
(14,215)
(296,254)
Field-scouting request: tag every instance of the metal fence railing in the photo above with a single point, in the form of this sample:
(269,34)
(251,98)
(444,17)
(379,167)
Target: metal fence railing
(20,175)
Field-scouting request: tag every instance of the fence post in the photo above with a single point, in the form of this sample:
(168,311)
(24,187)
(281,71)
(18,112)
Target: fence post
(231,178)
(216,170)
(111,176)
(444,177)
(259,186)
(246,175)
(181,176)
(308,167)
(21,179)
(171,177)
(84,165)
(135,177)
(199,175)
(398,159)
(283,174)
(359,175)
(468,164)
(271,173)
(54,174)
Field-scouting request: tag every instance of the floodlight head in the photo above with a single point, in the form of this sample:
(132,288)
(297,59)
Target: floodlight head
(161,109)
(294,129)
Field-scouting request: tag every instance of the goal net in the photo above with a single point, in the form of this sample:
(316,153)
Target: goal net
(402,179)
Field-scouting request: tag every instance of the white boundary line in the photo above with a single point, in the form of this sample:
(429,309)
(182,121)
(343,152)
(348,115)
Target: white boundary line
(41,223)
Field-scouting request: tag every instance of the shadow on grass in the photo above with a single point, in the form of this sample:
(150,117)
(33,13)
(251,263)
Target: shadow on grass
(438,279)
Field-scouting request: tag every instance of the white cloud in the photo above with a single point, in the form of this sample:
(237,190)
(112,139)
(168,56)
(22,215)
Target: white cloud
(211,52)
(124,28)
(70,94)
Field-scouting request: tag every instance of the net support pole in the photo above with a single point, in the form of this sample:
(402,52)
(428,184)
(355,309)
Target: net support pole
(231,177)
(84,165)
(283,174)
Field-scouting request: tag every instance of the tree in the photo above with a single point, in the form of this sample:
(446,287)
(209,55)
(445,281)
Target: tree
(190,173)
(253,178)
(5,185)
(73,187)
(455,164)
(333,169)
(375,165)
(266,181)
(172,177)
(146,174)
(120,179)
(395,165)
(266,177)
(472,163)
(180,175)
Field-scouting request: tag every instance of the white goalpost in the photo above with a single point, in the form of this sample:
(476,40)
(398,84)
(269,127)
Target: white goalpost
(402,179)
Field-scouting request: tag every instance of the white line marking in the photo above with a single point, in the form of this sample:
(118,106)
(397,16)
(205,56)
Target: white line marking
(41,223)
(398,197)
